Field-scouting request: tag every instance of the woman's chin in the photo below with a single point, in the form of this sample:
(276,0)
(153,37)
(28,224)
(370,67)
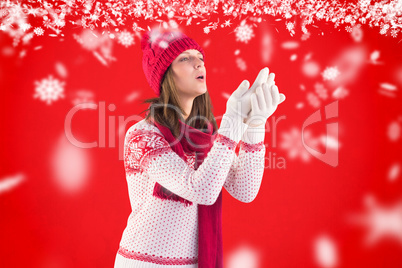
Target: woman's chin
(202,90)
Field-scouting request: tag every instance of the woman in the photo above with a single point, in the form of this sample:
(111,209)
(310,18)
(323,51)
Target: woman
(177,160)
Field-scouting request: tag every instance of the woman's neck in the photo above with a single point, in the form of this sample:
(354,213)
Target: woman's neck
(186,105)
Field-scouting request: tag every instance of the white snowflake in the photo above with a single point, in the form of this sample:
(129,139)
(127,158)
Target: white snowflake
(49,89)
(126,38)
(290,26)
(321,91)
(10,182)
(136,28)
(227,23)
(241,64)
(357,33)
(94,17)
(244,32)
(340,93)
(173,24)
(364,3)
(83,97)
(394,33)
(38,31)
(384,29)
(27,38)
(394,171)
(380,221)
(330,73)
(384,15)
(394,131)
(326,251)
(305,36)
(293,143)
(206,30)
(348,18)
(374,56)
(25,26)
(313,100)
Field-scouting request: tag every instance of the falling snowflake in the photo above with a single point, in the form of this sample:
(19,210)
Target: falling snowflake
(321,91)
(136,27)
(380,221)
(326,251)
(173,24)
(305,36)
(49,89)
(25,26)
(310,68)
(374,56)
(290,45)
(394,172)
(357,33)
(394,131)
(241,64)
(394,33)
(293,143)
(10,182)
(27,38)
(299,105)
(227,23)
(290,26)
(83,97)
(100,45)
(207,30)
(340,93)
(384,29)
(385,15)
(38,31)
(244,32)
(388,86)
(244,256)
(330,73)
(313,100)
(126,38)
(364,3)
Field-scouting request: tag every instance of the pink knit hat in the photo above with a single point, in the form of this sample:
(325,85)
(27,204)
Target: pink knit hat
(159,50)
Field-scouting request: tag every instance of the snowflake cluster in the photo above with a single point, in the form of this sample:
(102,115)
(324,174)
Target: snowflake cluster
(49,89)
(22,21)
(330,73)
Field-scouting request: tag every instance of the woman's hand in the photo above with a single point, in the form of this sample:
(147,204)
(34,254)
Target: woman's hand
(239,102)
(264,103)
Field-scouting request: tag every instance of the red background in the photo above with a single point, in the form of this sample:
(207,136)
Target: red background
(43,226)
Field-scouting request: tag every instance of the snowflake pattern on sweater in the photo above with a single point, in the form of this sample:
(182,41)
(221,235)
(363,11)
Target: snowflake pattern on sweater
(165,232)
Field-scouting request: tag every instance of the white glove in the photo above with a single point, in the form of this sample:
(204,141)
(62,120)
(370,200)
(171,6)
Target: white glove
(263,104)
(232,125)
(239,102)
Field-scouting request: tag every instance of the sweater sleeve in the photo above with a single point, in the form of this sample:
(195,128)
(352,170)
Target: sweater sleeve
(148,151)
(246,172)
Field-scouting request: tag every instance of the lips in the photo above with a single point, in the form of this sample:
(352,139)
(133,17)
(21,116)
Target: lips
(201,77)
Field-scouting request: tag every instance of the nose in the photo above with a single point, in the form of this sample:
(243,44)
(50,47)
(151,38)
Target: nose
(199,63)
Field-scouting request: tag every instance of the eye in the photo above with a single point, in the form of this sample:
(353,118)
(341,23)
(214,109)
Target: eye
(202,59)
(182,59)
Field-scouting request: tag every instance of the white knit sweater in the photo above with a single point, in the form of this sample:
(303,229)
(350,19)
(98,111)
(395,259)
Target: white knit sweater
(164,233)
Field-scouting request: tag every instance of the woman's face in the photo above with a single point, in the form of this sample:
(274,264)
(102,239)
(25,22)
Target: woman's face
(187,67)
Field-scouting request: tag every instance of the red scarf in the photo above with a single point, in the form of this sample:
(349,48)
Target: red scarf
(210,250)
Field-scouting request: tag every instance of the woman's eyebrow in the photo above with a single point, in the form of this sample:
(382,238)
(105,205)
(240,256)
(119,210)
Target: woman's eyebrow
(190,53)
